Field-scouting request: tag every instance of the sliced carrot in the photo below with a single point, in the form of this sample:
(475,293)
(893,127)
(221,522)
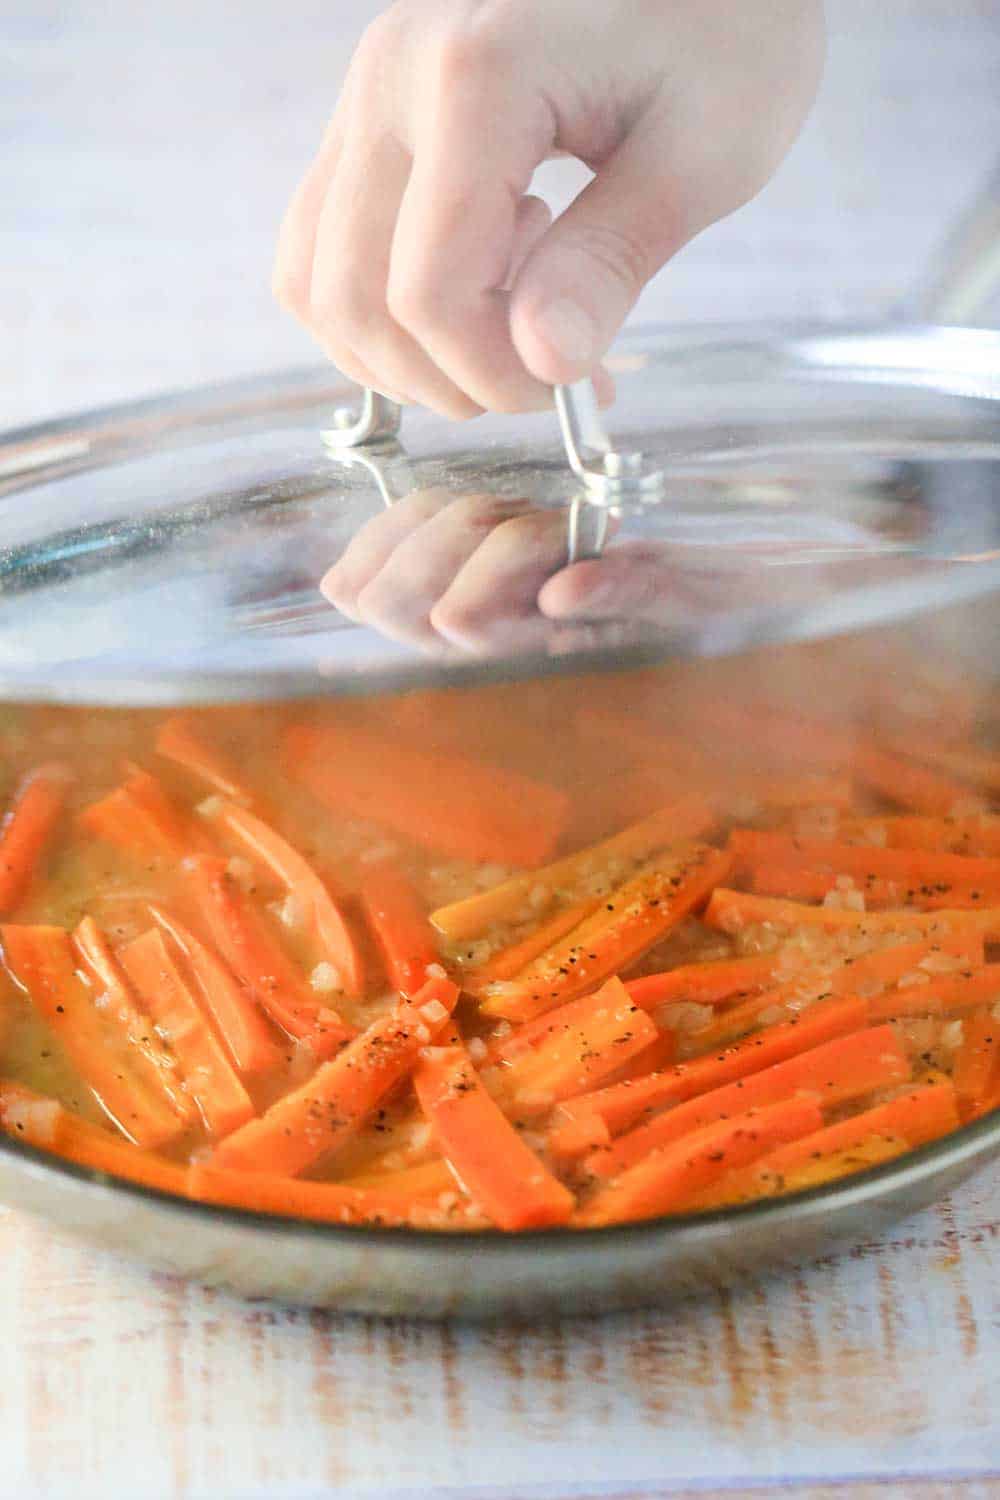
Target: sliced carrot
(239,1020)
(909,785)
(512,959)
(111,1045)
(320,912)
(706,983)
(665,1179)
(634,918)
(439,799)
(978,768)
(971,836)
(495,1165)
(314,1120)
(977,1062)
(139,818)
(910,868)
(45,1124)
(423,1183)
(622,1105)
(799,883)
(399,922)
(943,994)
(845,1068)
(732,911)
(328,1202)
(256,957)
(187,744)
(586,1041)
(594,870)
(28,828)
(212,1082)
(910,1119)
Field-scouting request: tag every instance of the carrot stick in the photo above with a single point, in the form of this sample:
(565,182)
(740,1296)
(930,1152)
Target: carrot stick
(422,1183)
(968,836)
(441,800)
(220,1096)
(512,959)
(45,1124)
(908,784)
(185,742)
(498,1170)
(623,1104)
(706,983)
(139,818)
(399,923)
(634,918)
(327,1202)
(254,955)
(111,1046)
(28,828)
(911,1119)
(800,883)
(946,994)
(239,1020)
(977,1062)
(664,1179)
(320,912)
(590,871)
(909,867)
(731,911)
(314,1120)
(105,972)
(842,1069)
(586,1040)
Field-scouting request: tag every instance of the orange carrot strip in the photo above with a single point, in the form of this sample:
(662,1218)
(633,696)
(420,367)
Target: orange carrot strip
(139,818)
(320,912)
(941,995)
(106,973)
(968,836)
(239,1020)
(666,1178)
(590,1039)
(908,784)
(45,1124)
(423,1183)
(498,1170)
(220,1096)
(111,1046)
(240,935)
(800,883)
(838,1070)
(399,922)
(706,983)
(909,867)
(732,911)
(312,1121)
(597,868)
(977,1062)
(185,742)
(921,1114)
(327,1202)
(624,1104)
(438,799)
(512,959)
(27,829)
(634,918)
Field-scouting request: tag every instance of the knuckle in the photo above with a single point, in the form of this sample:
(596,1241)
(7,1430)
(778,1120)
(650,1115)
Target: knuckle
(619,251)
(416,301)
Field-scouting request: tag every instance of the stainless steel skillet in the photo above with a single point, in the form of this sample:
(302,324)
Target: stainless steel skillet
(168,552)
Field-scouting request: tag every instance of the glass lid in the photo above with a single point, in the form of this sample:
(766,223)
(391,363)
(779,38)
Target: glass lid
(813,481)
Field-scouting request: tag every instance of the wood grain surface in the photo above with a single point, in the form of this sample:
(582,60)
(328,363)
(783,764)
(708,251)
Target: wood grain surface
(882,1364)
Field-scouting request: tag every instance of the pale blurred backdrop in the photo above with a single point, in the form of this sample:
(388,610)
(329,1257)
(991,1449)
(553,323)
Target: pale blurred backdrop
(149,148)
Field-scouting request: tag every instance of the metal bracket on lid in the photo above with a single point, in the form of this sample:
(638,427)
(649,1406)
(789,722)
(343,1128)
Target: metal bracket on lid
(367,439)
(610,478)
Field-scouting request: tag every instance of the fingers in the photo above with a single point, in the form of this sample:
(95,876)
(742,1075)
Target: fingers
(493,602)
(580,282)
(638,582)
(348,290)
(371,548)
(485,132)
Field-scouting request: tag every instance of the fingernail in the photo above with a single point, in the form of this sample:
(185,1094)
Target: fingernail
(569,331)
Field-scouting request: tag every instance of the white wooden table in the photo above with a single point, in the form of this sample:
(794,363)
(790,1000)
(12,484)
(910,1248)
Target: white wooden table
(155,147)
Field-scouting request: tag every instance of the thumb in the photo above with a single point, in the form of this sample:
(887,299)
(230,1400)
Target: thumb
(580,281)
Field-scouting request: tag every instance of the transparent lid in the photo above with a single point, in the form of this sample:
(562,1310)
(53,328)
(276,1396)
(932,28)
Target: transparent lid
(816,481)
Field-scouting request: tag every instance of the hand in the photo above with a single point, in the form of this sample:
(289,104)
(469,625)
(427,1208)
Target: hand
(413,250)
